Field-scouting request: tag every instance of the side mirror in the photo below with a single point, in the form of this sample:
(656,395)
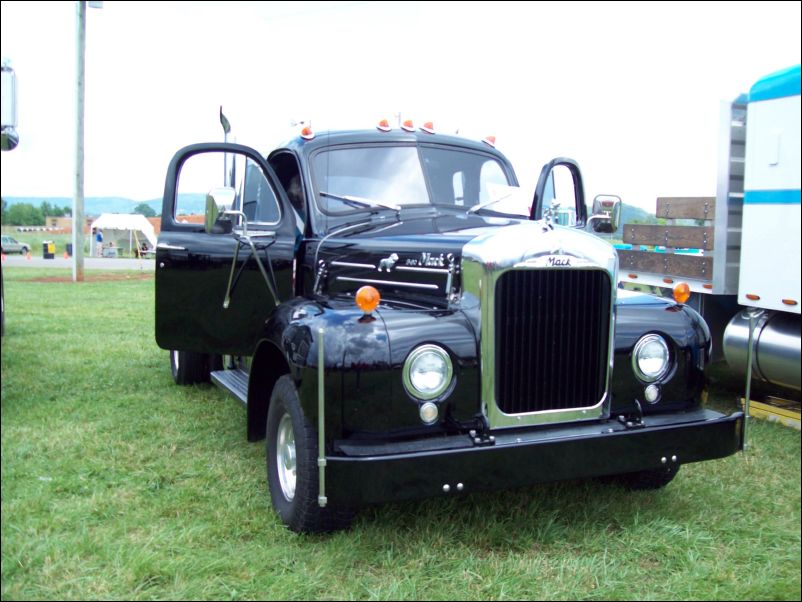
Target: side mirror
(218,202)
(9,138)
(606,214)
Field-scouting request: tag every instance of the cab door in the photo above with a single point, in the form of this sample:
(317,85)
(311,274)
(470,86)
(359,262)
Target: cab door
(560,195)
(225,252)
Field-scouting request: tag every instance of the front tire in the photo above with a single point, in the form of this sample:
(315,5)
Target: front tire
(292,471)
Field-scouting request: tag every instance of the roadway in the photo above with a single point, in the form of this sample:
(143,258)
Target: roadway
(90,263)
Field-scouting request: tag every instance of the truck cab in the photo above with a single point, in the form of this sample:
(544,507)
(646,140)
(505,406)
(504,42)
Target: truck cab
(400,322)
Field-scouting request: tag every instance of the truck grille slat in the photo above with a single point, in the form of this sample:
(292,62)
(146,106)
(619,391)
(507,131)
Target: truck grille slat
(552,338)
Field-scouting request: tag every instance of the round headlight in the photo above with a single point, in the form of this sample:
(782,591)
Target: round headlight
(427,372)
(650,358)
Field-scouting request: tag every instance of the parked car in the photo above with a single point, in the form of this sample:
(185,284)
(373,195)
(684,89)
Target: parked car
(12,245)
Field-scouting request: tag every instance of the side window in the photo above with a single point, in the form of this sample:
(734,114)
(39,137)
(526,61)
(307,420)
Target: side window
(230,179)
(286,168)
(458,182)
(563,196)
(259,203)
(491,176)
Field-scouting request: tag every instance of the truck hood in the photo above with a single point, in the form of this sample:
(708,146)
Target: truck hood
(424,257)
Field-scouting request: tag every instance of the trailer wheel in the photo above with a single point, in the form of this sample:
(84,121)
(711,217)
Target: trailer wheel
(189,368)
(292,471)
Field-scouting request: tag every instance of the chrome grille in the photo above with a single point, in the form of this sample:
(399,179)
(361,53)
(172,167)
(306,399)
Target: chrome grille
(552,339)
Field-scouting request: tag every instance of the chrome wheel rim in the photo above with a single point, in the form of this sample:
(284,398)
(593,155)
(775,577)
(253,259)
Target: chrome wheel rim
(285,457)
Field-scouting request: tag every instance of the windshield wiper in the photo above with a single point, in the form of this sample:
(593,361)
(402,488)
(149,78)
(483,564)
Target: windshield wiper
(479,206)
(360,201)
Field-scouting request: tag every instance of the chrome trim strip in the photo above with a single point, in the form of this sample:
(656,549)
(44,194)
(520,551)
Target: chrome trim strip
(348,264)
(409,268)
(389,282)
(527,245)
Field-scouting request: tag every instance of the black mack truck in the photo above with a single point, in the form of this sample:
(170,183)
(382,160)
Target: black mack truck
(399,326)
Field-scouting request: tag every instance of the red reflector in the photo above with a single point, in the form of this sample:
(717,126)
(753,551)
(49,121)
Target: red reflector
(753,297)
(708,286)
(632,275)
(668,280)
(607,203)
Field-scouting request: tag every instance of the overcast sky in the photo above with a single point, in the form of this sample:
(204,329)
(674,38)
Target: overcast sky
(632,91)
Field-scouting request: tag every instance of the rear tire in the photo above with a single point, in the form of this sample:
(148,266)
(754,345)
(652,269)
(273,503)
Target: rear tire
(292,471)
(189,368)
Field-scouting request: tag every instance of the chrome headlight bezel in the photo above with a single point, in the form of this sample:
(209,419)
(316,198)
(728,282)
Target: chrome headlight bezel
(651,375)
(417,355)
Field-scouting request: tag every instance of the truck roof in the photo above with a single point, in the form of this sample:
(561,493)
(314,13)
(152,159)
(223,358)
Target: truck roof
(777,85)
(331,138)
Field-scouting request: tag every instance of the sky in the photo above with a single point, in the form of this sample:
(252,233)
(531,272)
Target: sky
(631,90)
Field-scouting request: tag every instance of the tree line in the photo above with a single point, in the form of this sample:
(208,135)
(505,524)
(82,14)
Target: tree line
(26,214)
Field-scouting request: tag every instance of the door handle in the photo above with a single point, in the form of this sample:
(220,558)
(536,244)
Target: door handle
(166,247)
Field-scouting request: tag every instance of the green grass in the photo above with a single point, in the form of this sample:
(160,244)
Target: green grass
(116,484)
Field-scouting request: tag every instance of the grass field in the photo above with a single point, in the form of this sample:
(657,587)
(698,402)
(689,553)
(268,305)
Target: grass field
(116,484)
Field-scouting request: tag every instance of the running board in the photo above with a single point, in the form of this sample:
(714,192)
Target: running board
(234,382)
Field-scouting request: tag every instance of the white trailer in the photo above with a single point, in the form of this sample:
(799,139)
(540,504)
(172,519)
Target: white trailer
(745,258)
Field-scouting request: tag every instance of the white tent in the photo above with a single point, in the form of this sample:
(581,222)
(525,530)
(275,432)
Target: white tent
(125,227)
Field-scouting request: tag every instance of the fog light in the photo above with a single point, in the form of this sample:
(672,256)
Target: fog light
(428,412)
(652,393)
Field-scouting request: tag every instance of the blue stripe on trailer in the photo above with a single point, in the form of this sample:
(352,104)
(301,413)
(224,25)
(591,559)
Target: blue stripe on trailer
(777,85)
(772,197)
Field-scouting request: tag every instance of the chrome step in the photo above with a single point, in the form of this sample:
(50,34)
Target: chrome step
(235,382)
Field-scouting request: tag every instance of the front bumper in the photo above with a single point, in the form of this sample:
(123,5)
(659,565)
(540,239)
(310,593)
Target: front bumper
(371,473)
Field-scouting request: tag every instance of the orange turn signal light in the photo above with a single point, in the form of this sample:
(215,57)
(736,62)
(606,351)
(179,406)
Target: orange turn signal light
(682,292)
(367,299)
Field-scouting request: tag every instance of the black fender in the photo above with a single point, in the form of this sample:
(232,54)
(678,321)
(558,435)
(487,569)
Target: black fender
(290,345)
(689,341)
(363,361)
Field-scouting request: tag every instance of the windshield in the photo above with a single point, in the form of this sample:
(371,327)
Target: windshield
(405,176)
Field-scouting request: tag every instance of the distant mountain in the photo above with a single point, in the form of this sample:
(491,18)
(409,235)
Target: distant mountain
(631,215)
(95,205)
(196,204)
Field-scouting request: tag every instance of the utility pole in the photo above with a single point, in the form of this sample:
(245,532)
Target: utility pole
(78,198)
